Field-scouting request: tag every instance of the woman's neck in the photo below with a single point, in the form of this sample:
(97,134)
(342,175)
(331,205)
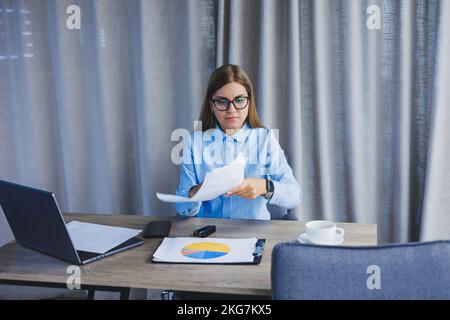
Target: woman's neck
(230,132)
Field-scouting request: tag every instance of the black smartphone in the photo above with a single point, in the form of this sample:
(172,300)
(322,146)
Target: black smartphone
(157,229)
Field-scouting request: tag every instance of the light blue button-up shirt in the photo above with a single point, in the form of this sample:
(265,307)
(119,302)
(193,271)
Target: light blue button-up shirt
(205,150)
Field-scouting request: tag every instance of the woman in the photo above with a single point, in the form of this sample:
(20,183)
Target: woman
(231,125)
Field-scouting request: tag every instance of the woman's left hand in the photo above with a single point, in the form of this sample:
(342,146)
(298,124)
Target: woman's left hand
(249,188)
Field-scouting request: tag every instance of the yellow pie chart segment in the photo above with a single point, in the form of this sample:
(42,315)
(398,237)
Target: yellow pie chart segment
(205,250)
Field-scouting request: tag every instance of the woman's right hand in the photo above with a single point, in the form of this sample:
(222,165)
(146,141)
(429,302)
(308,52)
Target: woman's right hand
(194,190)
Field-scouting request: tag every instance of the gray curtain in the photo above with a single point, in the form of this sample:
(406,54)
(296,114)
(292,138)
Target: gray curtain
(362,113)
(90,116)
(354,106)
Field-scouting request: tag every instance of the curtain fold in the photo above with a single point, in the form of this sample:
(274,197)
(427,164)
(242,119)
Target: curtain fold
(436,213)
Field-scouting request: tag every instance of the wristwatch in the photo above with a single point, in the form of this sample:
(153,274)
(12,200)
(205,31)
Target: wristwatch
(270,189)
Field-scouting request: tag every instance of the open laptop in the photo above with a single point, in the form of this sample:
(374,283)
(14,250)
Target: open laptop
(37,223)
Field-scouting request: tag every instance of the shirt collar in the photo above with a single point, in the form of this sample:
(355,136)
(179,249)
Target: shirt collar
(240,136)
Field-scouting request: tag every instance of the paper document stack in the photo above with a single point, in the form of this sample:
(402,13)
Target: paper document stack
(206,250)
(216,183)
(98,238)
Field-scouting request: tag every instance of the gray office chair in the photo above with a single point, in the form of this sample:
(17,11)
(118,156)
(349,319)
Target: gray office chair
(278,213)
(400,271)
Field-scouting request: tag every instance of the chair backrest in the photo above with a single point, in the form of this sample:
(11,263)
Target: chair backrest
(6,234)
(279,213)
(418,270)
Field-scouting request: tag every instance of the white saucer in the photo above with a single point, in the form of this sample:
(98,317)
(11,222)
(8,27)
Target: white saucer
(303,238)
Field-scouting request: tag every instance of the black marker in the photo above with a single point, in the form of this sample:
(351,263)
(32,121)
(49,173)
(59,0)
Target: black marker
(205,231)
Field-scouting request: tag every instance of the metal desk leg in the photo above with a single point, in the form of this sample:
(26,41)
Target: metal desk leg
(125,294)
(91,294)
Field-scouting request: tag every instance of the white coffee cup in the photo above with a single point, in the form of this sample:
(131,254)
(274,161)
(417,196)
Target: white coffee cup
(322,231)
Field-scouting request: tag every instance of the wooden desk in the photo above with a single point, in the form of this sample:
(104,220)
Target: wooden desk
(133,269)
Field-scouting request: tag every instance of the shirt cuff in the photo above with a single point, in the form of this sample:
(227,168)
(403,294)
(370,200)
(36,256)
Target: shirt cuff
(285,195)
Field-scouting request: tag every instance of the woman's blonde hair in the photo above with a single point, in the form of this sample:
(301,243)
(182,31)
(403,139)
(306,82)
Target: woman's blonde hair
(219,78)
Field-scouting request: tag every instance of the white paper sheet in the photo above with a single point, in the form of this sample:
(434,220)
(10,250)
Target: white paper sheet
(96,237)
(216,183)
(205,250)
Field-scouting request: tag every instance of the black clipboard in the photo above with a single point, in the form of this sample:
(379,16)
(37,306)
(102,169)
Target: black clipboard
(257,257)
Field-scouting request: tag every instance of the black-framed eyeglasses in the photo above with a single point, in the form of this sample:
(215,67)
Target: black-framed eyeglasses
(222,104)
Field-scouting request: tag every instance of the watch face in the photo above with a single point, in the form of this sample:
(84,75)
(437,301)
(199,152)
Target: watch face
(270,186)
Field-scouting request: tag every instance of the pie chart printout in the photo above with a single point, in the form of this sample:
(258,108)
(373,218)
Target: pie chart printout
(205,250)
